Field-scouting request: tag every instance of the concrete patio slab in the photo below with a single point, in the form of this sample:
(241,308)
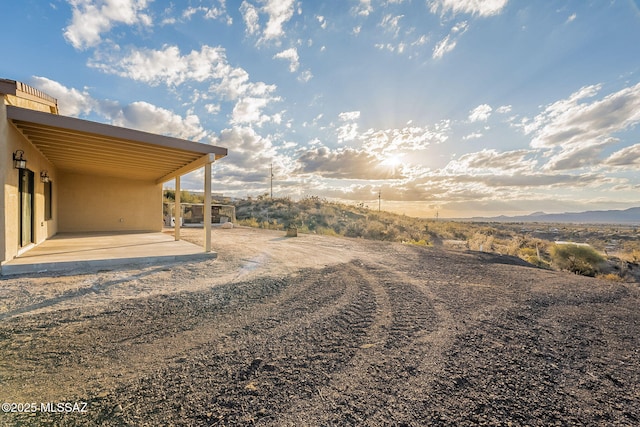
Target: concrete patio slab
(86,252)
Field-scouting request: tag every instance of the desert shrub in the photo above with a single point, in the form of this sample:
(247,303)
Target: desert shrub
(304,229)
(635,256)
(538,262)
(354,229)
(272,225)
(535,256)
(249,222)
(375,230)
(578,259)
(326,231)
(612,277)
(420,242)
(481,242)
(501,246)
(527,252)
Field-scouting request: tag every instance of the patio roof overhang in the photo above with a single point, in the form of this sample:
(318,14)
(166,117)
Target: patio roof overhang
(83,146)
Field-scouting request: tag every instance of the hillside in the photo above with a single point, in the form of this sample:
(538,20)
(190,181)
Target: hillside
(618,246)
(628,216)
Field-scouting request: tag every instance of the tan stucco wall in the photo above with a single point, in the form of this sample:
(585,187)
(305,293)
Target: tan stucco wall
(10,141)
(100,203)
(3,167)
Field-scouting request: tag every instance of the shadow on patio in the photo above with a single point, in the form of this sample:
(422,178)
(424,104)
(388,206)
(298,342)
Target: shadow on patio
(87,252)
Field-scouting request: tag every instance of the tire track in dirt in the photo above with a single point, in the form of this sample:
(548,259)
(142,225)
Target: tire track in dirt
(306,354)
(129,333)
(300,346)
(289,335)
(287,363)
(369,387)
(391,380)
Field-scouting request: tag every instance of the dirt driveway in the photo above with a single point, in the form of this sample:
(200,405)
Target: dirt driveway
(321,331)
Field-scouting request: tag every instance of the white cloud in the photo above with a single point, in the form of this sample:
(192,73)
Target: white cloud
(150,118)
(578,156)
(391,23)
(92,18)
(472,7)
(401,47)
(444,46)
(551,120)
(249,110)
(504,109)
(290,55)
(167,65)
(449,43)
(246,168)
(626,157)
(305,76)
(346,163)
(209,64)
(278,13)
(71,101)
(480,113)
(492,162)
(474,135)
(190,11)
(138,115)
(212,108)
(420,41)
(409,138)
(248,151)
(251,17)
(236,84)
(363,8)
(210,12)
(349,130)
(322,21)
(349,116)
(580,128)
(571,18)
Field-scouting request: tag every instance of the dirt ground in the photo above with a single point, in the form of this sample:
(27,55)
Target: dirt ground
(320,331)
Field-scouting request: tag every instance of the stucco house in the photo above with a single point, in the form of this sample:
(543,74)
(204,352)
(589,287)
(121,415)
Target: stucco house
(60,174)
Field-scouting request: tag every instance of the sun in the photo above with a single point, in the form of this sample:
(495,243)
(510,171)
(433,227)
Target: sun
(392,161)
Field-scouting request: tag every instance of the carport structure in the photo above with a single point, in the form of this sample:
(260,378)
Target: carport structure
(81,176)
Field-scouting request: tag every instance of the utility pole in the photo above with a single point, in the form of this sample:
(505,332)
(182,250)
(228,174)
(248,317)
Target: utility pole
(271,177)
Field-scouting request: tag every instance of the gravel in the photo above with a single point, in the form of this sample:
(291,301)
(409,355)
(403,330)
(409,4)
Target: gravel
(322,331)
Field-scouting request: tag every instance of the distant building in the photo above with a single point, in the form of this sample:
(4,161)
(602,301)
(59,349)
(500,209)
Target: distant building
(62,174)
(193,214)
(562,242)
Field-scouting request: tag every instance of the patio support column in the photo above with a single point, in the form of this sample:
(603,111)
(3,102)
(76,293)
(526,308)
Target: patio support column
(177,210)
(207,207)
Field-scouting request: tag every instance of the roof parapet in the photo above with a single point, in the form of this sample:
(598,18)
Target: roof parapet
(22,95)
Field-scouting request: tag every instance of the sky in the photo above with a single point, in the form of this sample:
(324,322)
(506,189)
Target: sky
(449,108)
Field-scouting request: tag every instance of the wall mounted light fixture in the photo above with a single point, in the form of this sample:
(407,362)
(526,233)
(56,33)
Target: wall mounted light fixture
(44,176)
(19,162)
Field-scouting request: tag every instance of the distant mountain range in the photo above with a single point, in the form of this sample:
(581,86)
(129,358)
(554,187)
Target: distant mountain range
(627,216)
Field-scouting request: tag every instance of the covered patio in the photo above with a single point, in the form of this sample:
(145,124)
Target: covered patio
(88,252)
(98,202)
